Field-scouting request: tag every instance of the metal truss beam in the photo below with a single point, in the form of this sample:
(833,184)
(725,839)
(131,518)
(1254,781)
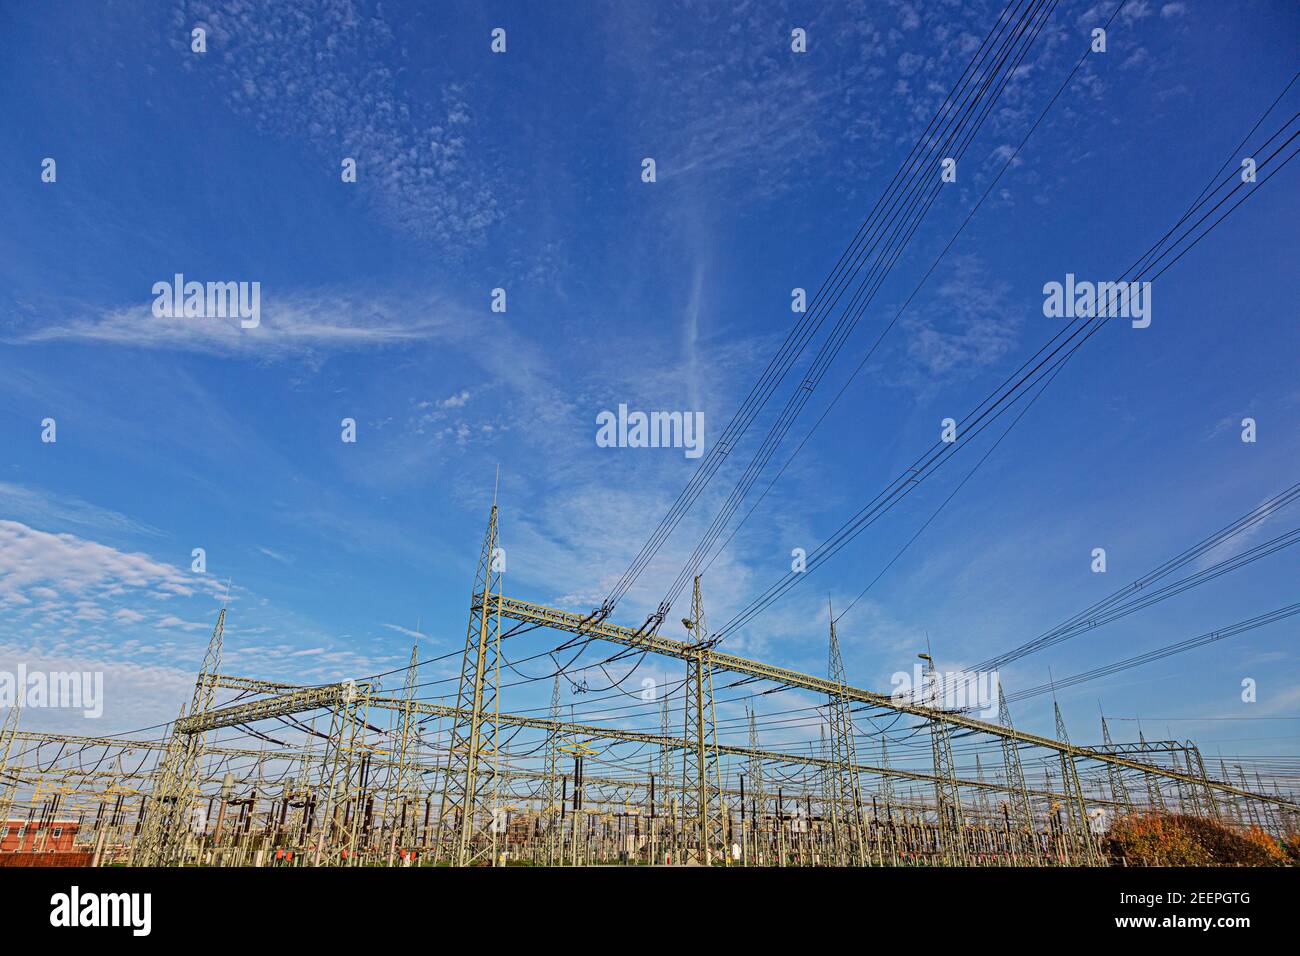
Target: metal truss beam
(525,612)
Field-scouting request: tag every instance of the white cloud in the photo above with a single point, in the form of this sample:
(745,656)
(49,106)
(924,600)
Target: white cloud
(31,561)
(172,622)
(909,63)
(135,695)
(406,631)
(294,324)
(294,71)
(1241,541)
(981,324)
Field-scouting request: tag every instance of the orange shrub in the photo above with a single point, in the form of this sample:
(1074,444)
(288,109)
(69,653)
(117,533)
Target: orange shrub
(1170,839)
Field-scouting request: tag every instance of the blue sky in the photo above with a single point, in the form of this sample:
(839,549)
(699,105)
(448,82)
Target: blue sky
(522,171)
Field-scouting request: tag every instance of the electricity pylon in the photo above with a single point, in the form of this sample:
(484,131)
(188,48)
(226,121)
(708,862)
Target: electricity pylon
(981,798)
(1021,810)
(1252,811)
(468,801)
(345,772)
(408,777)
(1234,811)
(886,779)
(664,796)
(1196,766)
(167,818)
(1118,789)
(826,774)
(758,800)
(887,795)
(303,792)
(1073,788)
(947,797)
(552,790)
(701,779)
(666,800)
(1155,796)
(8,780)
(846,790)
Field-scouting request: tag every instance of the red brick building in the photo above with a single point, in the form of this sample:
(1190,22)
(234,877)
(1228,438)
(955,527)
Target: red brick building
(31,836)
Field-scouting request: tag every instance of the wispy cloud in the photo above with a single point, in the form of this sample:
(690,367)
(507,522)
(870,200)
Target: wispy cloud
(1240,541)
(53,510)
(295,324)
(406,631)
(171,622)
(980,323)
(318,71)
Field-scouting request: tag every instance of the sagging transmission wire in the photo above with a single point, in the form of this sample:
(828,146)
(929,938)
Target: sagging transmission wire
(1224,534)
(1010,161)
(795,342)
(1025,17)
(1093,618)
(922,194)
(1160,653)
(1048,359)
(953,494)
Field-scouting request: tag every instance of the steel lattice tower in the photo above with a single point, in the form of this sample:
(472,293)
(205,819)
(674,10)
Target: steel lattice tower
(886,780)
(827,772)
(666,775)
(947,798)
(1233,809)
(168,815)
(8,730)
(407,793)
(982,798)
(1118,789)
(701,780)
(1021,810)
(468,800)
(846,790)
(1155,796)
(1204,796)
(552,784)
(758,799)
(345,772)
(1073,788)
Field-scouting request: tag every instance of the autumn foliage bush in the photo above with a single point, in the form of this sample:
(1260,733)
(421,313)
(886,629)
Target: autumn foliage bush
(1291,847)
(1171,839)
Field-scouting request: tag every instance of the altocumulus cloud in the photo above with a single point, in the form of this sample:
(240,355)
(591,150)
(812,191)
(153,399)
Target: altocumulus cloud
(311,70)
